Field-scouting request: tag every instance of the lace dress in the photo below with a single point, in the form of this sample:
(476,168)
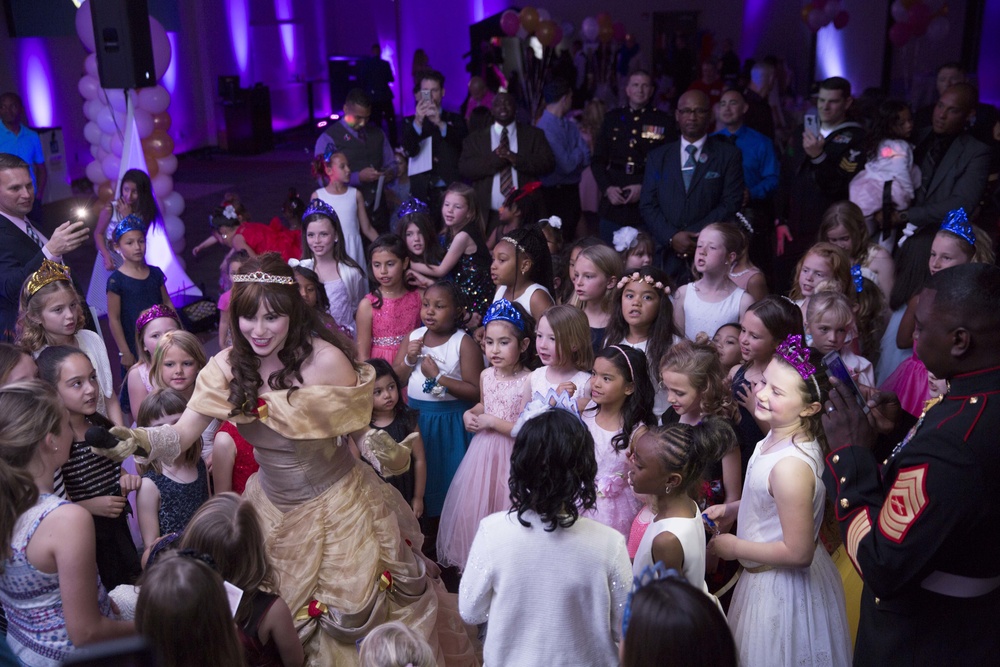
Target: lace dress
(617,505)
(333,530)
(786,617)
(392,323)
(36,626)
(480,486)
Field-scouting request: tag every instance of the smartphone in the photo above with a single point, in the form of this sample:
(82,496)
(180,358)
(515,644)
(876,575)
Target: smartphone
(425,95)
(812,124)
(835,368)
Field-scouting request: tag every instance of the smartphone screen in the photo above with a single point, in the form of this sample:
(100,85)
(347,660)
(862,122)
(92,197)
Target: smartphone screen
(425,94)
(812,124)
(836,368)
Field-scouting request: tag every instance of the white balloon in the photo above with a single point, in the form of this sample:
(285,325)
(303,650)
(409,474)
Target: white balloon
(143,123)
(105,142)
(95,172)
(117,145)
(90,64)
(116,98)
(154,100)
(101,154)
(112,164)
(89,87)
(173,204)
(92,108)
(163,185)
(95,150)
(161,47)
(168,165)
(120,119)
(106,120)
(92,133)
(175,228)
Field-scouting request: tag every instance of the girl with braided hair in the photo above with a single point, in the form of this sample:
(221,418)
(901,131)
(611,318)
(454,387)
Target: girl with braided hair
(522,270)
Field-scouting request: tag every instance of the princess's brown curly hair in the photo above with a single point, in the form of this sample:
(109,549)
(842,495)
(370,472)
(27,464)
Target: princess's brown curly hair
(303,326)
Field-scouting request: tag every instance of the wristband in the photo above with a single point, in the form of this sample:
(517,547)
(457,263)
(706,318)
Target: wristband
(405,361)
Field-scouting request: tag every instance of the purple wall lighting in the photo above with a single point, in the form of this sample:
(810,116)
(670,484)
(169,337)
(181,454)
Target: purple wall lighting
(830,54)
(37,82)
(239,32)
(288,43)
(755,22)
(989,55)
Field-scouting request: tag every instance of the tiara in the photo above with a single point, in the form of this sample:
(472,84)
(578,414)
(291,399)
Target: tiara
(744,223)
(261,277)
(957,222)
(130,223)
(504,311)
(649,574)
(857,277)
(541,403)
(636,278)
(49,272)
(513,242)
(794,351)
(320,207)
(625,238)
(156,312)
(411,206)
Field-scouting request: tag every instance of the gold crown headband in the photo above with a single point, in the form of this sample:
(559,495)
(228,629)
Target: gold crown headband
(49,272)
(261,277)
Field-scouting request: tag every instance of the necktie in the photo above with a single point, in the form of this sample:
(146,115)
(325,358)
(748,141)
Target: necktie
(507,173)
(32,234)
(688,170)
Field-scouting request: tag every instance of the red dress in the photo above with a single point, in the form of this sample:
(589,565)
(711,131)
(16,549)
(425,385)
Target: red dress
(245,463)
(274,237)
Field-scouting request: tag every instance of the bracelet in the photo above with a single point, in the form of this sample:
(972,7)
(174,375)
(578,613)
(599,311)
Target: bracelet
(432,387)
(413,365)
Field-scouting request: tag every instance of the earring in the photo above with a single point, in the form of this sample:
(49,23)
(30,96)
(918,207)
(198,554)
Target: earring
(668,489)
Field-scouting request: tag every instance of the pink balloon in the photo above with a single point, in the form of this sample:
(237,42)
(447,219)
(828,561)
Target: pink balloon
(840,20)
(95,172)
(175,229)
(558,35)
(920,19)
(143,123)
(899,34)
(168,165)
(161,47)
(154,100)
(92,108)
(510,22)
(89,87)
(163,185)
(619,32)
(85,27)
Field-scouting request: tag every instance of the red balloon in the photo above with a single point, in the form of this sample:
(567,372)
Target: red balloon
(899,35)
(618,30)
(510,23)
(604,18)
(840,20)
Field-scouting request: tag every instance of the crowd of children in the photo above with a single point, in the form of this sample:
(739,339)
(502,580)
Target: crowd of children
(561,412)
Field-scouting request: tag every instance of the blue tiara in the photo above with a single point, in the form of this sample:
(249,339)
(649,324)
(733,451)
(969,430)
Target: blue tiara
(504,311)
(859,281)
(320,207)
(411,206)
(957,222)
(130,223)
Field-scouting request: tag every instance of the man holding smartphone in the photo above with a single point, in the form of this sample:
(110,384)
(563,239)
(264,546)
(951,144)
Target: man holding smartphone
(817,174)
(444,130)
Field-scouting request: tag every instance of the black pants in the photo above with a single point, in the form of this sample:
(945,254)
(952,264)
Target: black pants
(564,201)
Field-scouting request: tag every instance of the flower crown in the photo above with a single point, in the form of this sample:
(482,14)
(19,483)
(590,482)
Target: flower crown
(261,277)
(130,223)
(49,272)
(320,207)
(156,312)
(411,206)
(957,222)
(858,278)
(504,311)
(625,238)
(636,278)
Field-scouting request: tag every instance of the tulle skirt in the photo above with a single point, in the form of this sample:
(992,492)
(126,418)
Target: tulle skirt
(445,441)
(479,488)
(791,617)
(909,382)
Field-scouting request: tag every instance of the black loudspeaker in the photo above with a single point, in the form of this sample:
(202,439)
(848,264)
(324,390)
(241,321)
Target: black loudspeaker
(124,45)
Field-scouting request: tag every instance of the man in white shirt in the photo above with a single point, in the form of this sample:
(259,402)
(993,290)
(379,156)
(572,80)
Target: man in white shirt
(22,246)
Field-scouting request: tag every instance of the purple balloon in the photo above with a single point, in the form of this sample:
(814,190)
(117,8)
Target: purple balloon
(899,35)
(112,164)
(88,87)
(163,185)
(161,48)
(510,22)
(154,100)
(106,120)
(168,165)
(92,133)
(85,26)
(95,172)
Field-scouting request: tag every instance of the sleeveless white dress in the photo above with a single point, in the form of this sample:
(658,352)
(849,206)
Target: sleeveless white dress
(707,316)
(346,206)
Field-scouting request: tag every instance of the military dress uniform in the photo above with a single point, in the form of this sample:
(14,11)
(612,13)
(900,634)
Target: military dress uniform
(924,533)
(627,135)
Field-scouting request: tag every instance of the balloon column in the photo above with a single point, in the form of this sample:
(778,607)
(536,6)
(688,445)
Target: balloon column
(818,14)
(106,110)
(914,19)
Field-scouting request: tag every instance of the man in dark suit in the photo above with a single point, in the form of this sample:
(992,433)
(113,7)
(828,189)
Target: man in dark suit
(503,156)
(690,183)
(954,166)
(444,130)
(22,245)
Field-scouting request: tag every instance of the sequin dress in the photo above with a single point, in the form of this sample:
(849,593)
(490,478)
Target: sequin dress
(392,323)
(472,274)
(178,500)
(617,505)
(36,630)
(480,486)
(244,464)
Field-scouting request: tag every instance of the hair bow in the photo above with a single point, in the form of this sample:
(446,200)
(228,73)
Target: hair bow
(303,263)
(625,238)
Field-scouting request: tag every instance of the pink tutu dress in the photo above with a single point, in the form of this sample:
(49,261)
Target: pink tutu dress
(480,486)
(909,382)
(617,505)
(392,323)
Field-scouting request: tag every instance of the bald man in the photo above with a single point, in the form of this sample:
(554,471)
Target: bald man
(689,183)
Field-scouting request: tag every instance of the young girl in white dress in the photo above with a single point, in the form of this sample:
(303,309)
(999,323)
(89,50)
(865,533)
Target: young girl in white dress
(562,341)
(788,607)
(348,202)
(522,271)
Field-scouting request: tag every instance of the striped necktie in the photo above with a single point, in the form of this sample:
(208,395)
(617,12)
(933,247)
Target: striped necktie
(507,173)
(32,234)
(688,171)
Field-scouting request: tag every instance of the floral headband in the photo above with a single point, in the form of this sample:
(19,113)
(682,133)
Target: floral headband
(795,352)
(320,207)
(230,218)
(504,311)
(625,238)
(957,222)
(744,223)
(130,223)
(636,278)
(156,312)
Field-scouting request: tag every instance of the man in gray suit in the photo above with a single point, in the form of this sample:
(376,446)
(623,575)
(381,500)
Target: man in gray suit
(689,183)
(953,165)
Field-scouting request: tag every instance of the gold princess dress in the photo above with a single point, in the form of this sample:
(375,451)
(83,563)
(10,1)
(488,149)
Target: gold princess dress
(345,545)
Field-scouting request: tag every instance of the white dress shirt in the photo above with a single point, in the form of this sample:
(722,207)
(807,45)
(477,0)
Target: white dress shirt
(700,144)
(497,197)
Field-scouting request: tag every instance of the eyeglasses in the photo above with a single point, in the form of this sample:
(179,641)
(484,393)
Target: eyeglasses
(693,112)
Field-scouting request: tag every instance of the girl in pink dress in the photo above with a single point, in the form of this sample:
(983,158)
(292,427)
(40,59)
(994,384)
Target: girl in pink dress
(391,310)
(480,486)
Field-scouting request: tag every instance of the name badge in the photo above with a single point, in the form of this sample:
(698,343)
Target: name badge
(653,132)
